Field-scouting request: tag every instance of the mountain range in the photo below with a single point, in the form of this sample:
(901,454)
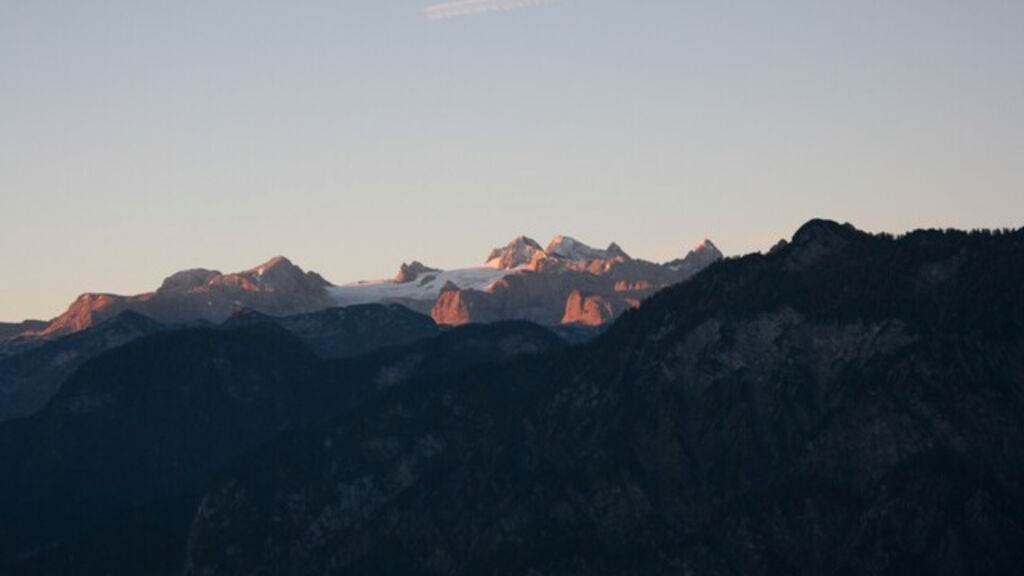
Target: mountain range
(845,403)
(567,283)
(570,286)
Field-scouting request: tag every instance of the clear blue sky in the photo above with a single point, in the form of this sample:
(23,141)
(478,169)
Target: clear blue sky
(138,138)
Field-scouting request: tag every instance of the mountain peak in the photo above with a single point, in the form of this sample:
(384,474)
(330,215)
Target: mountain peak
(705,244)
(818,238)
(277,262)
(519,252)
(820,229)
(412,271)
(561,245)
(703,254)
(707,249)
(571,249)
(281,269)
(185,280)
(614,250)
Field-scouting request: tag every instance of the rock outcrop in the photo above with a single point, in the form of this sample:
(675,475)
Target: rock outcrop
(587,310)
(413,272)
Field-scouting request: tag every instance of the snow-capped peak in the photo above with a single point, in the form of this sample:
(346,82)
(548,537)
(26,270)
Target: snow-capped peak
(573,250)
(520,252)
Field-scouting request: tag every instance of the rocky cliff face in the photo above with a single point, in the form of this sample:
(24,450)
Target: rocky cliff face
(453,306)
(587,310)
(849,404)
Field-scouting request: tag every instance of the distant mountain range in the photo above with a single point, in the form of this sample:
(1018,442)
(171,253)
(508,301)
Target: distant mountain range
(567,283)
(570,286)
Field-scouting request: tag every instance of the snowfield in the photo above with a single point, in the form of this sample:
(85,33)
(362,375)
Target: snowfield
(427,287)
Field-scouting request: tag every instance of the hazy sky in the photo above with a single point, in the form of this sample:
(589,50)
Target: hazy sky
(138,138)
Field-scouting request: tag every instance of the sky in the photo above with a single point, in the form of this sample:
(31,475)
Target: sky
(138,138)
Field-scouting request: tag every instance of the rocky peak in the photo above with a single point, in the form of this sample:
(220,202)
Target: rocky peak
(702,255)
(411,272)
(280,270)
(824,231)
(187,280)
(817,239)
(278,265)
(705,251)
(519,252)
(84,312)
(614,251)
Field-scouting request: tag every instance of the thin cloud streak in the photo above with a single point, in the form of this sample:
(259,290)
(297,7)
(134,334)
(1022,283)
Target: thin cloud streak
(457,8)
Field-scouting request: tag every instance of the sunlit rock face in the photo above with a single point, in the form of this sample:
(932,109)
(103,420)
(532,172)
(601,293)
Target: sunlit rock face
(276,287)
(451,308)
(521,251)
(587,310)
(88,310)
(520,281)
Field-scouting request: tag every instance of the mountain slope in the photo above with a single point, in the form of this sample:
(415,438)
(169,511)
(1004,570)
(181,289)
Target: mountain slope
(29,378)
(10,330)
(350,331)
(104,478)
(847,404)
